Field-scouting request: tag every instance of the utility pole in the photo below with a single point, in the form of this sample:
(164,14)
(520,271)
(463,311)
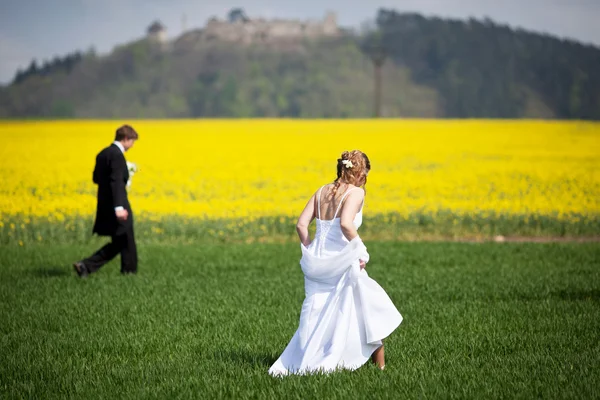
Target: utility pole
(377,52)
(378,56)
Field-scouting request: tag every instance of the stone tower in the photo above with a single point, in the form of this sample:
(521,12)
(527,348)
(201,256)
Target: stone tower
(330,26)
(157,32)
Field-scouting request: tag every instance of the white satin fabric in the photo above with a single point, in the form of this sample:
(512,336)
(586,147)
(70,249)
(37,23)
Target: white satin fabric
(345,314)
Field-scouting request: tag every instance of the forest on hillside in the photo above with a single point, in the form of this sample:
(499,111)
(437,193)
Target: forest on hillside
(434,68)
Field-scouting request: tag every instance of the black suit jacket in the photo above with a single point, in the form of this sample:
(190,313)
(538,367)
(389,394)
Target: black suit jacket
(111,175)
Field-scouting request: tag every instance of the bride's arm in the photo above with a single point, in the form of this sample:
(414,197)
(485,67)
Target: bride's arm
(350,208)
(308,214)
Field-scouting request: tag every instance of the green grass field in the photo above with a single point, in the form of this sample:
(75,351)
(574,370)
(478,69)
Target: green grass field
(206,321)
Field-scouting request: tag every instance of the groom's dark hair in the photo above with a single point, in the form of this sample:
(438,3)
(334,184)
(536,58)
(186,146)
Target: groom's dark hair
(126,132)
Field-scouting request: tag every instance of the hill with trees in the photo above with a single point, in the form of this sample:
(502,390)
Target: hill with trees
(433,68)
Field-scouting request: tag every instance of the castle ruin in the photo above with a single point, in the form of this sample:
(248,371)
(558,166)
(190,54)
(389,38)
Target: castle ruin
(246,30)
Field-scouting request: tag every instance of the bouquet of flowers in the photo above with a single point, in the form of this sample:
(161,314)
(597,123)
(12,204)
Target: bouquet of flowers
(132,168)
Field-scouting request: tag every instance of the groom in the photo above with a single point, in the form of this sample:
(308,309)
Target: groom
(114,217)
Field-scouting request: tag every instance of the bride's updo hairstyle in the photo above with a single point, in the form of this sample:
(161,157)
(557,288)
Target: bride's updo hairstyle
(352,168)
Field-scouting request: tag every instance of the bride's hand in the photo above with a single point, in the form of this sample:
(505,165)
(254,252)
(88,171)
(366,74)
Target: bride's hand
(362,264)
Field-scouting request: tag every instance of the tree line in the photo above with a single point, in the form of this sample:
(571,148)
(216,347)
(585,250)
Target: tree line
(484,69)
(56,64)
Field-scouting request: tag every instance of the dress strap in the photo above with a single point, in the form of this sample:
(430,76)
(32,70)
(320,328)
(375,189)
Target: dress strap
(319,201)
(342,200)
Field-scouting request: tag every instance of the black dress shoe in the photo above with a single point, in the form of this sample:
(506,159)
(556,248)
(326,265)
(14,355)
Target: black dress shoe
(81,269)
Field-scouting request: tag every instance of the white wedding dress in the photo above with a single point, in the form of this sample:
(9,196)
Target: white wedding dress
(345,314)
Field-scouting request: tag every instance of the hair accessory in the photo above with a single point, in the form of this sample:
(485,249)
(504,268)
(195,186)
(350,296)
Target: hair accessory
(347,163)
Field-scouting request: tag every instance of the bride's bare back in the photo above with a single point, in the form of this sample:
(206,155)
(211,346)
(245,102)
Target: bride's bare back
(330,199)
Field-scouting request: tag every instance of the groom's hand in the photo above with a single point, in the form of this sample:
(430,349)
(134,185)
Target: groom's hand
(362,264)
(122,215)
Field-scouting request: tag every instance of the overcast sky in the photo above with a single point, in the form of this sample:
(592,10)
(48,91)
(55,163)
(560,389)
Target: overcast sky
(43,28)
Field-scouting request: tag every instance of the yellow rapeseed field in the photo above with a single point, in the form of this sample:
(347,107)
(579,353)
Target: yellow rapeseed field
(222,169)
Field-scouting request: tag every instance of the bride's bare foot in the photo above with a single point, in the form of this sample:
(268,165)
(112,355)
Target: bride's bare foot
(378,358)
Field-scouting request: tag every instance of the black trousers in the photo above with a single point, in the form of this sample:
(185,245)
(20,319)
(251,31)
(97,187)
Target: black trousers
(124,244)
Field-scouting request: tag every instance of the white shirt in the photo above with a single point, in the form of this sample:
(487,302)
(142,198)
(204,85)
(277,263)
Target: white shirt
(120,146)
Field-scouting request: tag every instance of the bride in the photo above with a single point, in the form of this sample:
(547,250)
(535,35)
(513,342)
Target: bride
(345,314)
